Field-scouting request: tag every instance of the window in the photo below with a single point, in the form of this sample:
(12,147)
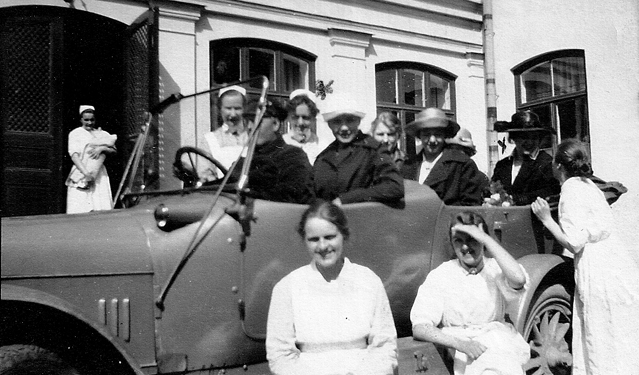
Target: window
(287,68)
(405,88)
(554,87)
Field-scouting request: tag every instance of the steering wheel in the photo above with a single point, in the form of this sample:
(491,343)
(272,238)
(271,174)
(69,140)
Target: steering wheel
(187,161)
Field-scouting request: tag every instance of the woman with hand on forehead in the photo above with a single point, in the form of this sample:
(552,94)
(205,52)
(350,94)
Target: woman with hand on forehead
(467,296)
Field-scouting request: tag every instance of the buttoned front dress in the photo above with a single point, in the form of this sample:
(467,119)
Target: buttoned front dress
(344,326)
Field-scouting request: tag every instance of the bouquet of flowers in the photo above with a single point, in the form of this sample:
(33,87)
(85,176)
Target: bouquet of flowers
(498,196)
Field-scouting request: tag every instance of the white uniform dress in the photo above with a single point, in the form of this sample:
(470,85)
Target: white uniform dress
(343,326)
(225,145)
(605,322)
(310,147)
(80,196)
(472,306)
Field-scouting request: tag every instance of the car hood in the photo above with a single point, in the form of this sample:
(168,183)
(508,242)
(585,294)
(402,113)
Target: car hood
(80,244)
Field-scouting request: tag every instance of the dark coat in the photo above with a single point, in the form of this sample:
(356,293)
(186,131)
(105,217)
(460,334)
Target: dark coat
(535,179)
(455,177)
(358,172)
(280,172)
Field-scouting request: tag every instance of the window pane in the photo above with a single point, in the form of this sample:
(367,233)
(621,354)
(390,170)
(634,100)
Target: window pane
(413,84)
(226,62)
(439,93)
(536,83)
(386,86)
(569,75)
(545,117)
(571,119)
(412,143)
(295,74)
(262,63)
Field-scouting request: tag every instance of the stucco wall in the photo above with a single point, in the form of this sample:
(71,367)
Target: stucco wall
(608,34)
(349,40)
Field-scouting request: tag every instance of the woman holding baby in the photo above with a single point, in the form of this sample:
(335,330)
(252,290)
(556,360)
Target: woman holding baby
(88,185)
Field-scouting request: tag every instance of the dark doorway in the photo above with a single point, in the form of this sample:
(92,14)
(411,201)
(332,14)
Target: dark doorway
(52,61)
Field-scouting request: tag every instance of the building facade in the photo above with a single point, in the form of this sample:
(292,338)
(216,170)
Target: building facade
(574,64)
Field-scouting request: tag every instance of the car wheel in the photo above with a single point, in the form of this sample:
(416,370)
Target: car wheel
(548,331)
(32,360)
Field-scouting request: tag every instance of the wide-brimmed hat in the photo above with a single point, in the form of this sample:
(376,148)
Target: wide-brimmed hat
(432,118)
(523,121)
(462,138)
(342,112)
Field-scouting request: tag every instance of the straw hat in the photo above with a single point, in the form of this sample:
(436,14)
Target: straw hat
(463,138)
(432,118)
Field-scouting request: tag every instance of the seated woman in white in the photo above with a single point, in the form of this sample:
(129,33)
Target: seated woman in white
(332,316)
(461,304)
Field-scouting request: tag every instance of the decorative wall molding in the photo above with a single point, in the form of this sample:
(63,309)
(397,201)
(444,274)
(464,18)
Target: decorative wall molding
(349,44)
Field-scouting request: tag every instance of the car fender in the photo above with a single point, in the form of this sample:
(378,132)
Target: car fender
(22,294)
(542,269)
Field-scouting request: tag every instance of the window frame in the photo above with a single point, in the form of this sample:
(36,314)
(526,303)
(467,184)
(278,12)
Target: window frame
(244,45)
(407,142)
(550,103)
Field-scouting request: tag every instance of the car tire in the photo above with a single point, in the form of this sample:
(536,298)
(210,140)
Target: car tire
(548,331)
(32,360)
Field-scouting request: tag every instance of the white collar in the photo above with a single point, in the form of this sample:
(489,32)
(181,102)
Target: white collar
(235,130)
(532,156)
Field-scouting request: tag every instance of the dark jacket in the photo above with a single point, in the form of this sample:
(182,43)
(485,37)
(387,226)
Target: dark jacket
(455,177)
(535,179)
(281,173)
(358,172)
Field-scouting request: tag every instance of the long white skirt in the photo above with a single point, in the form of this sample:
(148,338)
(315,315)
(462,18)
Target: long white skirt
(97,198)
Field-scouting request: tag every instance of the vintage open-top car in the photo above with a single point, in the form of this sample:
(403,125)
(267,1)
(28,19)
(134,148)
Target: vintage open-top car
(180,281)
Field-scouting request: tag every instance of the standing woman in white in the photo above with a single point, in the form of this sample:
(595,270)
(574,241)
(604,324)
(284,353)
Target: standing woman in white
(605,328)
(88,185)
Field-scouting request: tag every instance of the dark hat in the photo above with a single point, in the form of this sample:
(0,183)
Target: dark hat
(273,109)
(432,118)
(523,121)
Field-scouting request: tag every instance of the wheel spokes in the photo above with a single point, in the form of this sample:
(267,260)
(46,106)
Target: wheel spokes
(548,344)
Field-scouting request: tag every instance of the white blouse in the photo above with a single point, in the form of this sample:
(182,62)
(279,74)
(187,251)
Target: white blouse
(472,306)
(338,327)
(584,213)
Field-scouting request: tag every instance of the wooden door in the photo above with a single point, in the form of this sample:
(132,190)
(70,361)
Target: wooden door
(31,115)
